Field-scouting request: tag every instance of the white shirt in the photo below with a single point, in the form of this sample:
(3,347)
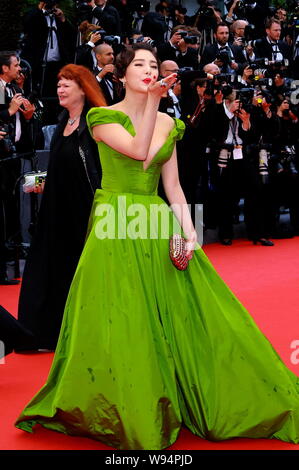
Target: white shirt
(232,137)
(52,50)
(176,105)
(276,54)
(107,81)
(10,93)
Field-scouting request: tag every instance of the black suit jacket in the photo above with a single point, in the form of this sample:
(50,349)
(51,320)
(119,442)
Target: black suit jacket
(105,88)
(210,53)
(154,26)
(84,56)
(108,19)
(36,36)
(167,52)
(25,142)
(263,48)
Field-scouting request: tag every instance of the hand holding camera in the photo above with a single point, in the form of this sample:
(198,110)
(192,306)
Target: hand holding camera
(109,68)
(95,37)
(14,105)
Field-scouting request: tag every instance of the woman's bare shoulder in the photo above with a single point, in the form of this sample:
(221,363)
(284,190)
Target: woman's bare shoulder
(166,121)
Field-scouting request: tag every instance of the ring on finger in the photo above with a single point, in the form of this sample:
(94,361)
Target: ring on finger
(163,84)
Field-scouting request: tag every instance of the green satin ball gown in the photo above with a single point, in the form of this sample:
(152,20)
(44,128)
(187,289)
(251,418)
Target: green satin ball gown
(145,348)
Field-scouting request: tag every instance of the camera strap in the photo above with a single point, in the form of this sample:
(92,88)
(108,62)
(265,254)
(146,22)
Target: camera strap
(237,151)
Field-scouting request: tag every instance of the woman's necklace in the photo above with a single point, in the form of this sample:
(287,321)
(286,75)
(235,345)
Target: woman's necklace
(71,121)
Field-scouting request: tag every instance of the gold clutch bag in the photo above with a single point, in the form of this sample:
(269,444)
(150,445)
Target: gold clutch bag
(177,252)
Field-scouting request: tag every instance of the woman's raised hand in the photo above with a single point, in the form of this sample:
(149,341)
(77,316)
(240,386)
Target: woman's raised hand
(159,87)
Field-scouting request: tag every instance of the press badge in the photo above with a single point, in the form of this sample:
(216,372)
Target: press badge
(237,152)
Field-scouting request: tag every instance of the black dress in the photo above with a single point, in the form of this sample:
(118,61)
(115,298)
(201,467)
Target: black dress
(60,233)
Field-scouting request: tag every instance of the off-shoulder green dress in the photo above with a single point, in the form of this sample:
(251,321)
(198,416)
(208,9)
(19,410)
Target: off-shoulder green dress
(144,348)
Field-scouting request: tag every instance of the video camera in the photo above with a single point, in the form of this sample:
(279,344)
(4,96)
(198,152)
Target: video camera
(188,39)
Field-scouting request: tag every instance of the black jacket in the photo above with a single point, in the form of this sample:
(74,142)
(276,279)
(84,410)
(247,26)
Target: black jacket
(108,19)
(25,142)
(210,53)
(36,36)
(167,52)
(263,48)
(105,88)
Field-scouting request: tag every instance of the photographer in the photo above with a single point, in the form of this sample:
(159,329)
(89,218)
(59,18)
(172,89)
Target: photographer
(233,132)
(271,47)
(15,113)
(156,23)
(170,103)
(3,273)
(254,11)
(49,43)
(241,32)
(104,15)
(284,165)
(196,167)
(90,37)
(229,58)
(104,72)
(178,48)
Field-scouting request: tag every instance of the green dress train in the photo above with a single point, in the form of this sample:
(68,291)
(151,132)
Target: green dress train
(145,348)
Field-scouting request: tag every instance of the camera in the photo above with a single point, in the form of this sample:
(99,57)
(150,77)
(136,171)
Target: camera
(285,162)
(259,64)
(109,39)
(183,72)
(7,147)
(204,9)
(224,57)
(245,96)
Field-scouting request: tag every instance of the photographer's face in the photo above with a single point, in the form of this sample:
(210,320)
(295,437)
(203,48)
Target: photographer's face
(240,30)
(12,71)
(222,35)
(106,56)
(69,93)
(274,32)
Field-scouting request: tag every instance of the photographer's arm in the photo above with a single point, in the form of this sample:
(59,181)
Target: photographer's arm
(230,16)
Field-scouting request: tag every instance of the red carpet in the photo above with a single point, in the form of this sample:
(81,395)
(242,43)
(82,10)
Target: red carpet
(265,279)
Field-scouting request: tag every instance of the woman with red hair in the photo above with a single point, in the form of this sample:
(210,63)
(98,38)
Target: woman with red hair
(73,176)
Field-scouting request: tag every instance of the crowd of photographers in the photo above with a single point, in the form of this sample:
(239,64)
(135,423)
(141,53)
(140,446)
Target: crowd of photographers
(237,92)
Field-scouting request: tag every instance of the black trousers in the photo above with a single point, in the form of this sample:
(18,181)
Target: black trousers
(240,179)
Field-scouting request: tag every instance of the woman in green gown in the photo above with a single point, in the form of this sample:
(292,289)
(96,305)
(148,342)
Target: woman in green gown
(145,348)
